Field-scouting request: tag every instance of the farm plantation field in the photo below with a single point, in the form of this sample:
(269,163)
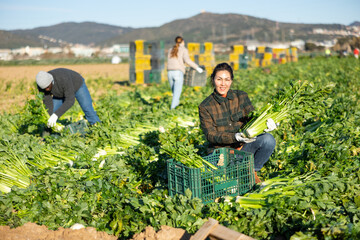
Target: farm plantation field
(114,178)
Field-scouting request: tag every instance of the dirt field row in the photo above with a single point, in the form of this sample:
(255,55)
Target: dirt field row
(32,231)
(17,82)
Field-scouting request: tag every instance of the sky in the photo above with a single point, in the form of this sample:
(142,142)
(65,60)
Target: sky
(28,14)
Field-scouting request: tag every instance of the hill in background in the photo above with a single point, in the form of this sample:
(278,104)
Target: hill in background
(71,32)
(355,24)
(229,28)
(10,40)
(217,28)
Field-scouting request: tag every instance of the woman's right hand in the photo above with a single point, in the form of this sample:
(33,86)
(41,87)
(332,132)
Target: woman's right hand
(240,137)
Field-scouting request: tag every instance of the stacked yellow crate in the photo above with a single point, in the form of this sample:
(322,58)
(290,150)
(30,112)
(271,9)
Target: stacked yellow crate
(142,62)
(260,49)
(279,55)
(207,58)
(146,62)
(291,54)
(294,55)
(234,61)
(288,55)
(239,49)
(208,47)
(276,53)
(259,53)
(164,76)
(263,56)
(234,56)
(194,51)
(267,59)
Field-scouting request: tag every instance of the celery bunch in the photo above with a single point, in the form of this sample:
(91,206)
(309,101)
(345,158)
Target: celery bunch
(180,146)
(13,172)
(278,186)
(278,110)
(45,115)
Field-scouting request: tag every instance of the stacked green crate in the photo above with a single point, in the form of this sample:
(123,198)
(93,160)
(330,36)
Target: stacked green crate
(147,61)
(243,61)
(132,74)
(157,53)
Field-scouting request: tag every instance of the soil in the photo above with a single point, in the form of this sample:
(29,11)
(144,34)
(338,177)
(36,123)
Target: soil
(32,231)
(165,233)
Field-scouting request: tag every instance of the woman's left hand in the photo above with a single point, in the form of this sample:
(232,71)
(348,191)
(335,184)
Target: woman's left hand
(271,125)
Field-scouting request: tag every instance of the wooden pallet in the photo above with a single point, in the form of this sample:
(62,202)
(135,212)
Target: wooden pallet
(214,231)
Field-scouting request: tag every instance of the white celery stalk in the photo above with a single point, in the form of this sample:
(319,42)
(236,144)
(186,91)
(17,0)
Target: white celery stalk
(258,125)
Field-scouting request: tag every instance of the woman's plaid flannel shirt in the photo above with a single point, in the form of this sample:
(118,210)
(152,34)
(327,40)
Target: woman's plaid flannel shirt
(222,117)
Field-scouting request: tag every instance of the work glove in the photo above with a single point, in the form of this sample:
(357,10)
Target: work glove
(271,125)
(199,69)
(240,137)
(52,120)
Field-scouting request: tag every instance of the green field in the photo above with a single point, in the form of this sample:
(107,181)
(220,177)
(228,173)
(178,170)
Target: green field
(114,178)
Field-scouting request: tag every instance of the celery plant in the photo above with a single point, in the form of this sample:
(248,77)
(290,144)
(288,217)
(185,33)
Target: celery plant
(278,110)
(45,115)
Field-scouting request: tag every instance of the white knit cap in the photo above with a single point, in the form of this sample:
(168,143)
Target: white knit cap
(43,79)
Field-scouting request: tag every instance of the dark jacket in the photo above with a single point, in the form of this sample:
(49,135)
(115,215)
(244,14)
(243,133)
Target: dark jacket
(66,84)
(221,118)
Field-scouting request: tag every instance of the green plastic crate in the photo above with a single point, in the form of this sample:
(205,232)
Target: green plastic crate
(192,78)
(234,176)
(78,127)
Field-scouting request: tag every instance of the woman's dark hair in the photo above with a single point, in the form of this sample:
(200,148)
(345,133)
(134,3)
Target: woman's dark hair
(174,50)
(221,67)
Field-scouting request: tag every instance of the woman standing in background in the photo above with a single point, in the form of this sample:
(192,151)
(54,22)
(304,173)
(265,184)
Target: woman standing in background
(177,57)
